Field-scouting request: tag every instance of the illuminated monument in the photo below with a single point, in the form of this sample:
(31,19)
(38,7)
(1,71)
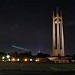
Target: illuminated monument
(58,37)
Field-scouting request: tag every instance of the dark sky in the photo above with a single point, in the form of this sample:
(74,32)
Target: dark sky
(28,24)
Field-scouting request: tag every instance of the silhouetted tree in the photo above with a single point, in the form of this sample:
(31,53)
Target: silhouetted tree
(73,57)
(26,54)
(15,54)
(2,53)
(42,55)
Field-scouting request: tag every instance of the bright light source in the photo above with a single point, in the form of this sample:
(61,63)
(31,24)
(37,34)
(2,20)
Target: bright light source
(8,56)
(2,60)
(37,60)
(31,59)
(18,59)
(3,57)
(52,58)
(13,59)
(25,59)
(8,59)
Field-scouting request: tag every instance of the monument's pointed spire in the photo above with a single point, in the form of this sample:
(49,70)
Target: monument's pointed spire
(57,13)
(53,14)
(61,13)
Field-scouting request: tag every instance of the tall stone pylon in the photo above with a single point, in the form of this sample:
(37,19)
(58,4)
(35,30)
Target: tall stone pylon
(58,36)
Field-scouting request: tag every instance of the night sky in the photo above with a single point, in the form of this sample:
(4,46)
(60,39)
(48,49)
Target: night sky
(28,24)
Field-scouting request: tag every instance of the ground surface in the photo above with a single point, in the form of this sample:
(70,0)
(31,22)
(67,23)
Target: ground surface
(36,69)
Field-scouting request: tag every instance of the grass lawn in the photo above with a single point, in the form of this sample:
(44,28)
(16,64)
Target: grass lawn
(36,68)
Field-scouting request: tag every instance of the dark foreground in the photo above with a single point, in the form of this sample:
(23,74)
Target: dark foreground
(36,73)
(36,69)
